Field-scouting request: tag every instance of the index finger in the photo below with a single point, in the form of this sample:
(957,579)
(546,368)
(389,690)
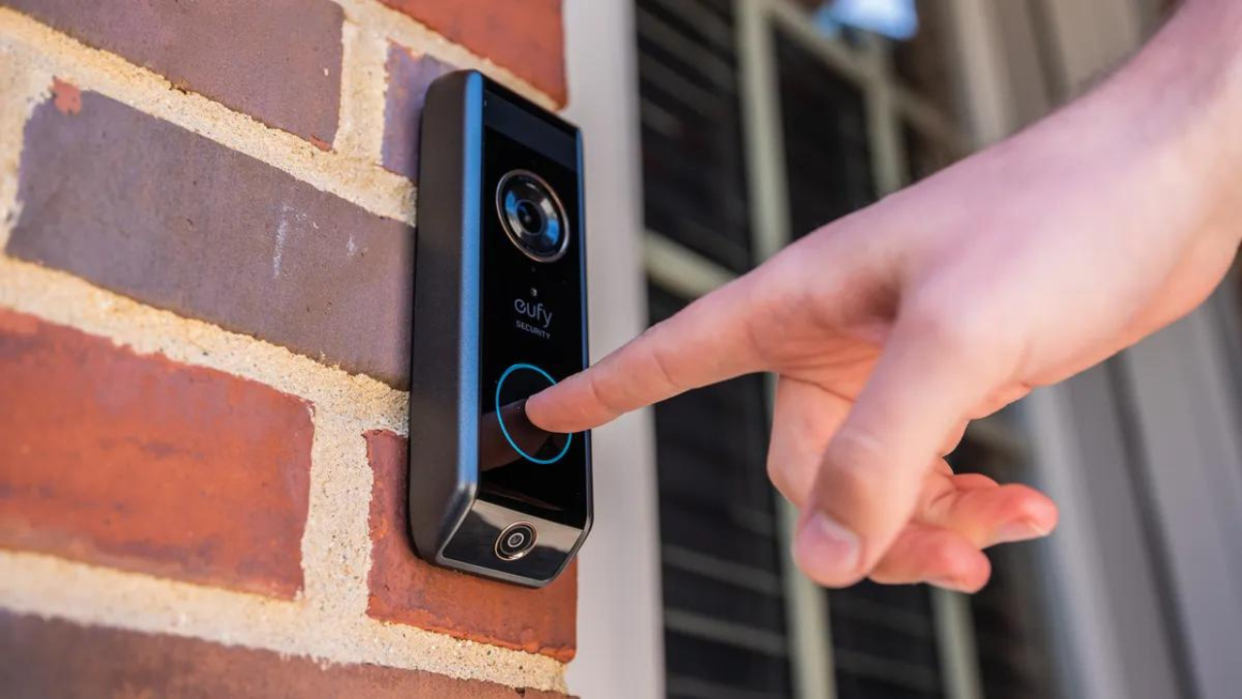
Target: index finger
(710,340)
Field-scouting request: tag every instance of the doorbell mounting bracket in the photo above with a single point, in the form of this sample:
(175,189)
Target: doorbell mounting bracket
(499,314)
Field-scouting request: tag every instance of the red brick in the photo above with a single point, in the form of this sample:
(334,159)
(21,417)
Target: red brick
(66,97)
(407,590)
(152,211)
(136,462)
(54,658)
(277,60)
(409,76)
(525,36)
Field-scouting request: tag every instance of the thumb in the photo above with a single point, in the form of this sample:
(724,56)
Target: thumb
(928,378)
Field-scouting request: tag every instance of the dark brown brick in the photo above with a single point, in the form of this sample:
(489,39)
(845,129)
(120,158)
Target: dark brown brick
(175,220)
(407,590)
(52,658)
(277,60)
(525,36)
(409,76)
(135,462)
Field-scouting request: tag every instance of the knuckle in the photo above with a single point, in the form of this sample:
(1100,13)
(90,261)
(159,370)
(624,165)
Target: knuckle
(854,449)
(664,370)
(951,306)
(652,353)
(956,328)
(851,482)
(856,466)
(600,395)
(967,332)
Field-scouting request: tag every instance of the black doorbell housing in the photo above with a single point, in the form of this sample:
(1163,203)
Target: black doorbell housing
(499,314)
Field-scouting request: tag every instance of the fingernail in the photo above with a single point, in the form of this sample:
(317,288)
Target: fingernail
(1022,530)
(826,547)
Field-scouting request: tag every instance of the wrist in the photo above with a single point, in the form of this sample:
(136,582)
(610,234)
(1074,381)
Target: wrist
(1191,74)
(1166,124)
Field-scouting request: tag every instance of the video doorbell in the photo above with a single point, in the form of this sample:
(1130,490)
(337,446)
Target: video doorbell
(499,314)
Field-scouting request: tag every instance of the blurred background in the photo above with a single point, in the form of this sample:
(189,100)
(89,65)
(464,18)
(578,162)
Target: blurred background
(748,123)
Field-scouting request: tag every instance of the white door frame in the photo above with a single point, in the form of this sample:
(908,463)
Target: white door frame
(620,631)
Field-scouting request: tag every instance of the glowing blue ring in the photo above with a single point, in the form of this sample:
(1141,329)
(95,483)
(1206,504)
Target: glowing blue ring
(500,419)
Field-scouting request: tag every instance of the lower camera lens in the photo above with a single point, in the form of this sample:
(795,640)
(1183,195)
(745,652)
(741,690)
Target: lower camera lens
(515,541)
(532,215)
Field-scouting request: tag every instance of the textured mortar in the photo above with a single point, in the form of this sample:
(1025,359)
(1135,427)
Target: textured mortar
(21,89)
(404,30)
(353,179)
(362,93)
(54,588)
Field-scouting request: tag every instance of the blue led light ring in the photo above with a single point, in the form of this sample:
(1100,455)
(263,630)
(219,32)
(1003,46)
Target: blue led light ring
(500,419)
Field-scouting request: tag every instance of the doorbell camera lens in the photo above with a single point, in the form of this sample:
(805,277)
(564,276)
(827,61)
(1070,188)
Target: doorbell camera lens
(532,216)
(515,541)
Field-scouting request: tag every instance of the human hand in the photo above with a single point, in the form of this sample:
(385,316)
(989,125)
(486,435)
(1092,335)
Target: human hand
(892,328)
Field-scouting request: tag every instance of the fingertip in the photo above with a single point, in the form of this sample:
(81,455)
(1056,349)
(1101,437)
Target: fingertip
(968,575)
(1040,511)
(1033,516)
(957,564)
(540,409)
(562,408)
(1053,518)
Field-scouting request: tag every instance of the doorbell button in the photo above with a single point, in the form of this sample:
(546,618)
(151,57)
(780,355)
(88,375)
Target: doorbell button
(516,384)
(515,541)
(496,448)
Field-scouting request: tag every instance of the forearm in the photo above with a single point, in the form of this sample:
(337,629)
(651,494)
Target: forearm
(1189,79)
(1158,142)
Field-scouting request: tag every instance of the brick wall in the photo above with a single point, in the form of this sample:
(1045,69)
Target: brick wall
(206,229)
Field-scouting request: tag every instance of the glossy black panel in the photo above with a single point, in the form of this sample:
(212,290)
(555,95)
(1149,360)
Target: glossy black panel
(475,543)
(531,331)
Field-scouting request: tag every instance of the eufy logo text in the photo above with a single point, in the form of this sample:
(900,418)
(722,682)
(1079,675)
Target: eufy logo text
(539,315)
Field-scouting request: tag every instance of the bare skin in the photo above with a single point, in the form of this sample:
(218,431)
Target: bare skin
(1016,268)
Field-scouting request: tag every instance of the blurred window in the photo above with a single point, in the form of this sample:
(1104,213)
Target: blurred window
(828,167)
(924,65)
(724,611)
(884,642)
(850,133)
(924,155)
(694,177)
